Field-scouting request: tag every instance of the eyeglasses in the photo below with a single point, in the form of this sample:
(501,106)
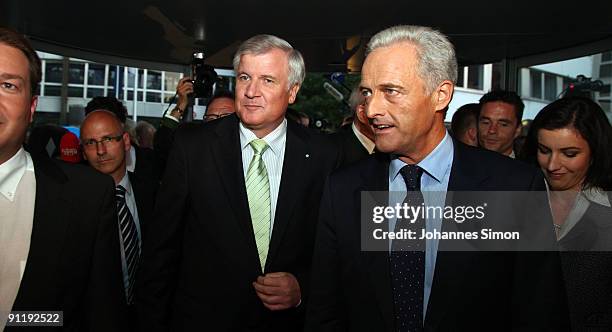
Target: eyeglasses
(210,117)
(91,143)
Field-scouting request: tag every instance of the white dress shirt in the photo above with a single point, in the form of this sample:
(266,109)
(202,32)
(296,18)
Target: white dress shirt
(17,199)
(273,158)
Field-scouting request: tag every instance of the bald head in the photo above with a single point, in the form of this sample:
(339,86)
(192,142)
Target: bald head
(105,143)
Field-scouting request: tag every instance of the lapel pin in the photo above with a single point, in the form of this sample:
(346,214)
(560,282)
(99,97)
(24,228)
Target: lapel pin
(307,155)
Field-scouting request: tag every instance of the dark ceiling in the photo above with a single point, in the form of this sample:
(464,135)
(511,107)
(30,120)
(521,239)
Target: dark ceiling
(168,31)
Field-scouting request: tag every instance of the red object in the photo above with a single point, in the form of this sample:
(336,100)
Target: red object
(70,150)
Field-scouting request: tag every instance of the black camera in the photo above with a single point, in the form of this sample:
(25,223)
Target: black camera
(204,76)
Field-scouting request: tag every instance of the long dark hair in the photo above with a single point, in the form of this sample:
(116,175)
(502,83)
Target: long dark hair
(590,121)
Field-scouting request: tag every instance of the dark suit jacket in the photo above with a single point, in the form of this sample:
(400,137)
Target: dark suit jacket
(74,264)
(587,268)
(472,291)
(145,191)
(351,149)
(201,258)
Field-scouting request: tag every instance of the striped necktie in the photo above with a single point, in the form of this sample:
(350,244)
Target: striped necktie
(258,193)
(129,236)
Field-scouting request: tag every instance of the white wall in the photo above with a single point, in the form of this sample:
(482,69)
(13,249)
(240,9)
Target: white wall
(571,68)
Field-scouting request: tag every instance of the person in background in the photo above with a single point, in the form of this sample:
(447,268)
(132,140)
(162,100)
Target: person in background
(356,141)
(145,133)
(70,148)
(499,121)
(571,141)
(464,125)
(139,160)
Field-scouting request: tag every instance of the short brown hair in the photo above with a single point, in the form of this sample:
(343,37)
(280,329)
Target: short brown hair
(14,39)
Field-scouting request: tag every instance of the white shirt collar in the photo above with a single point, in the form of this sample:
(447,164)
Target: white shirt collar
(275,138)
(367,143)
(125,183)
(11,172)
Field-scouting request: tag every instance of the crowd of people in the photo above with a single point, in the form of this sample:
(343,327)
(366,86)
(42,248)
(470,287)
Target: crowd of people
(251,221)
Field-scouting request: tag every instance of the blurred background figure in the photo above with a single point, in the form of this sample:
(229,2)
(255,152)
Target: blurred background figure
(355,140)
(464,125)
(219,105)
(145,133)
(571,141)
(298,117)
(70,148)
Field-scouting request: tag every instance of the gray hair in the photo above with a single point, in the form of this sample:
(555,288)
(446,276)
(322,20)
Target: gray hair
(261,44)
(436,54)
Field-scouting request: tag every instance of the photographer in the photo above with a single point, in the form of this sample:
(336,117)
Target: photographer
(219,105)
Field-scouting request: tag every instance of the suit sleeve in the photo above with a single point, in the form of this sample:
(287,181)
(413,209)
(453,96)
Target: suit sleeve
(322,313)
(105,300)
(156,280)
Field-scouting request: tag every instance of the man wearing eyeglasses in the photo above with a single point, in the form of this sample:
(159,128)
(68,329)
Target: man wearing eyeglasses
(105,146)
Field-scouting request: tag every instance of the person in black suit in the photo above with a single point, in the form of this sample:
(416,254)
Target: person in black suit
(407,79)
(58,238)
(105,147)
(231,244)
(356,141)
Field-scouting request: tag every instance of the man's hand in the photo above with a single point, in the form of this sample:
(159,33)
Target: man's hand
(278,290)
(183,89)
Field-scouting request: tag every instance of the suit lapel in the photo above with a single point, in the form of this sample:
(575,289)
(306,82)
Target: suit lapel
(376,178)
(51,218)
(227,155)
(466,175)
(294,177)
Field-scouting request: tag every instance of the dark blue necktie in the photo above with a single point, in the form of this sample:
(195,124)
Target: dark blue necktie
(129,235)
(407,260)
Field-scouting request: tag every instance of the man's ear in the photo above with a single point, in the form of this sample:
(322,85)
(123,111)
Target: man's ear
(472,134)
(127,144)
(33,104)
(443,94)
(293,93)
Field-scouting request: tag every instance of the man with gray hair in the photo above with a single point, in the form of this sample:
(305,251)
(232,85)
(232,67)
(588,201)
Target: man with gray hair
(415,285)
(231,245)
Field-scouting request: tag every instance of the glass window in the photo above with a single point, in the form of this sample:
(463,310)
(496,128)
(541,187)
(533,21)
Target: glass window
(475,77)
(131,76)
(76,72)
(605,70)
(171,81)
(112,75)
(460,77)
(536,84)
(53,72)
(550,87)
(130,95)
(153,80)
(95,74)
(53,90)
(94,92)
(139,96)
(154,97)
(75,92)
(168,98)
(223,83)
(606,56)
(496,76)
(140,78)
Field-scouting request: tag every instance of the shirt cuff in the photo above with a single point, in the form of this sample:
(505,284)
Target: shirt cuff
(171,117)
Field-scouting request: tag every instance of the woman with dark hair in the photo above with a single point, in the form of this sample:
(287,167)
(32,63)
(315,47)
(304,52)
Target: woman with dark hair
(571,140)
